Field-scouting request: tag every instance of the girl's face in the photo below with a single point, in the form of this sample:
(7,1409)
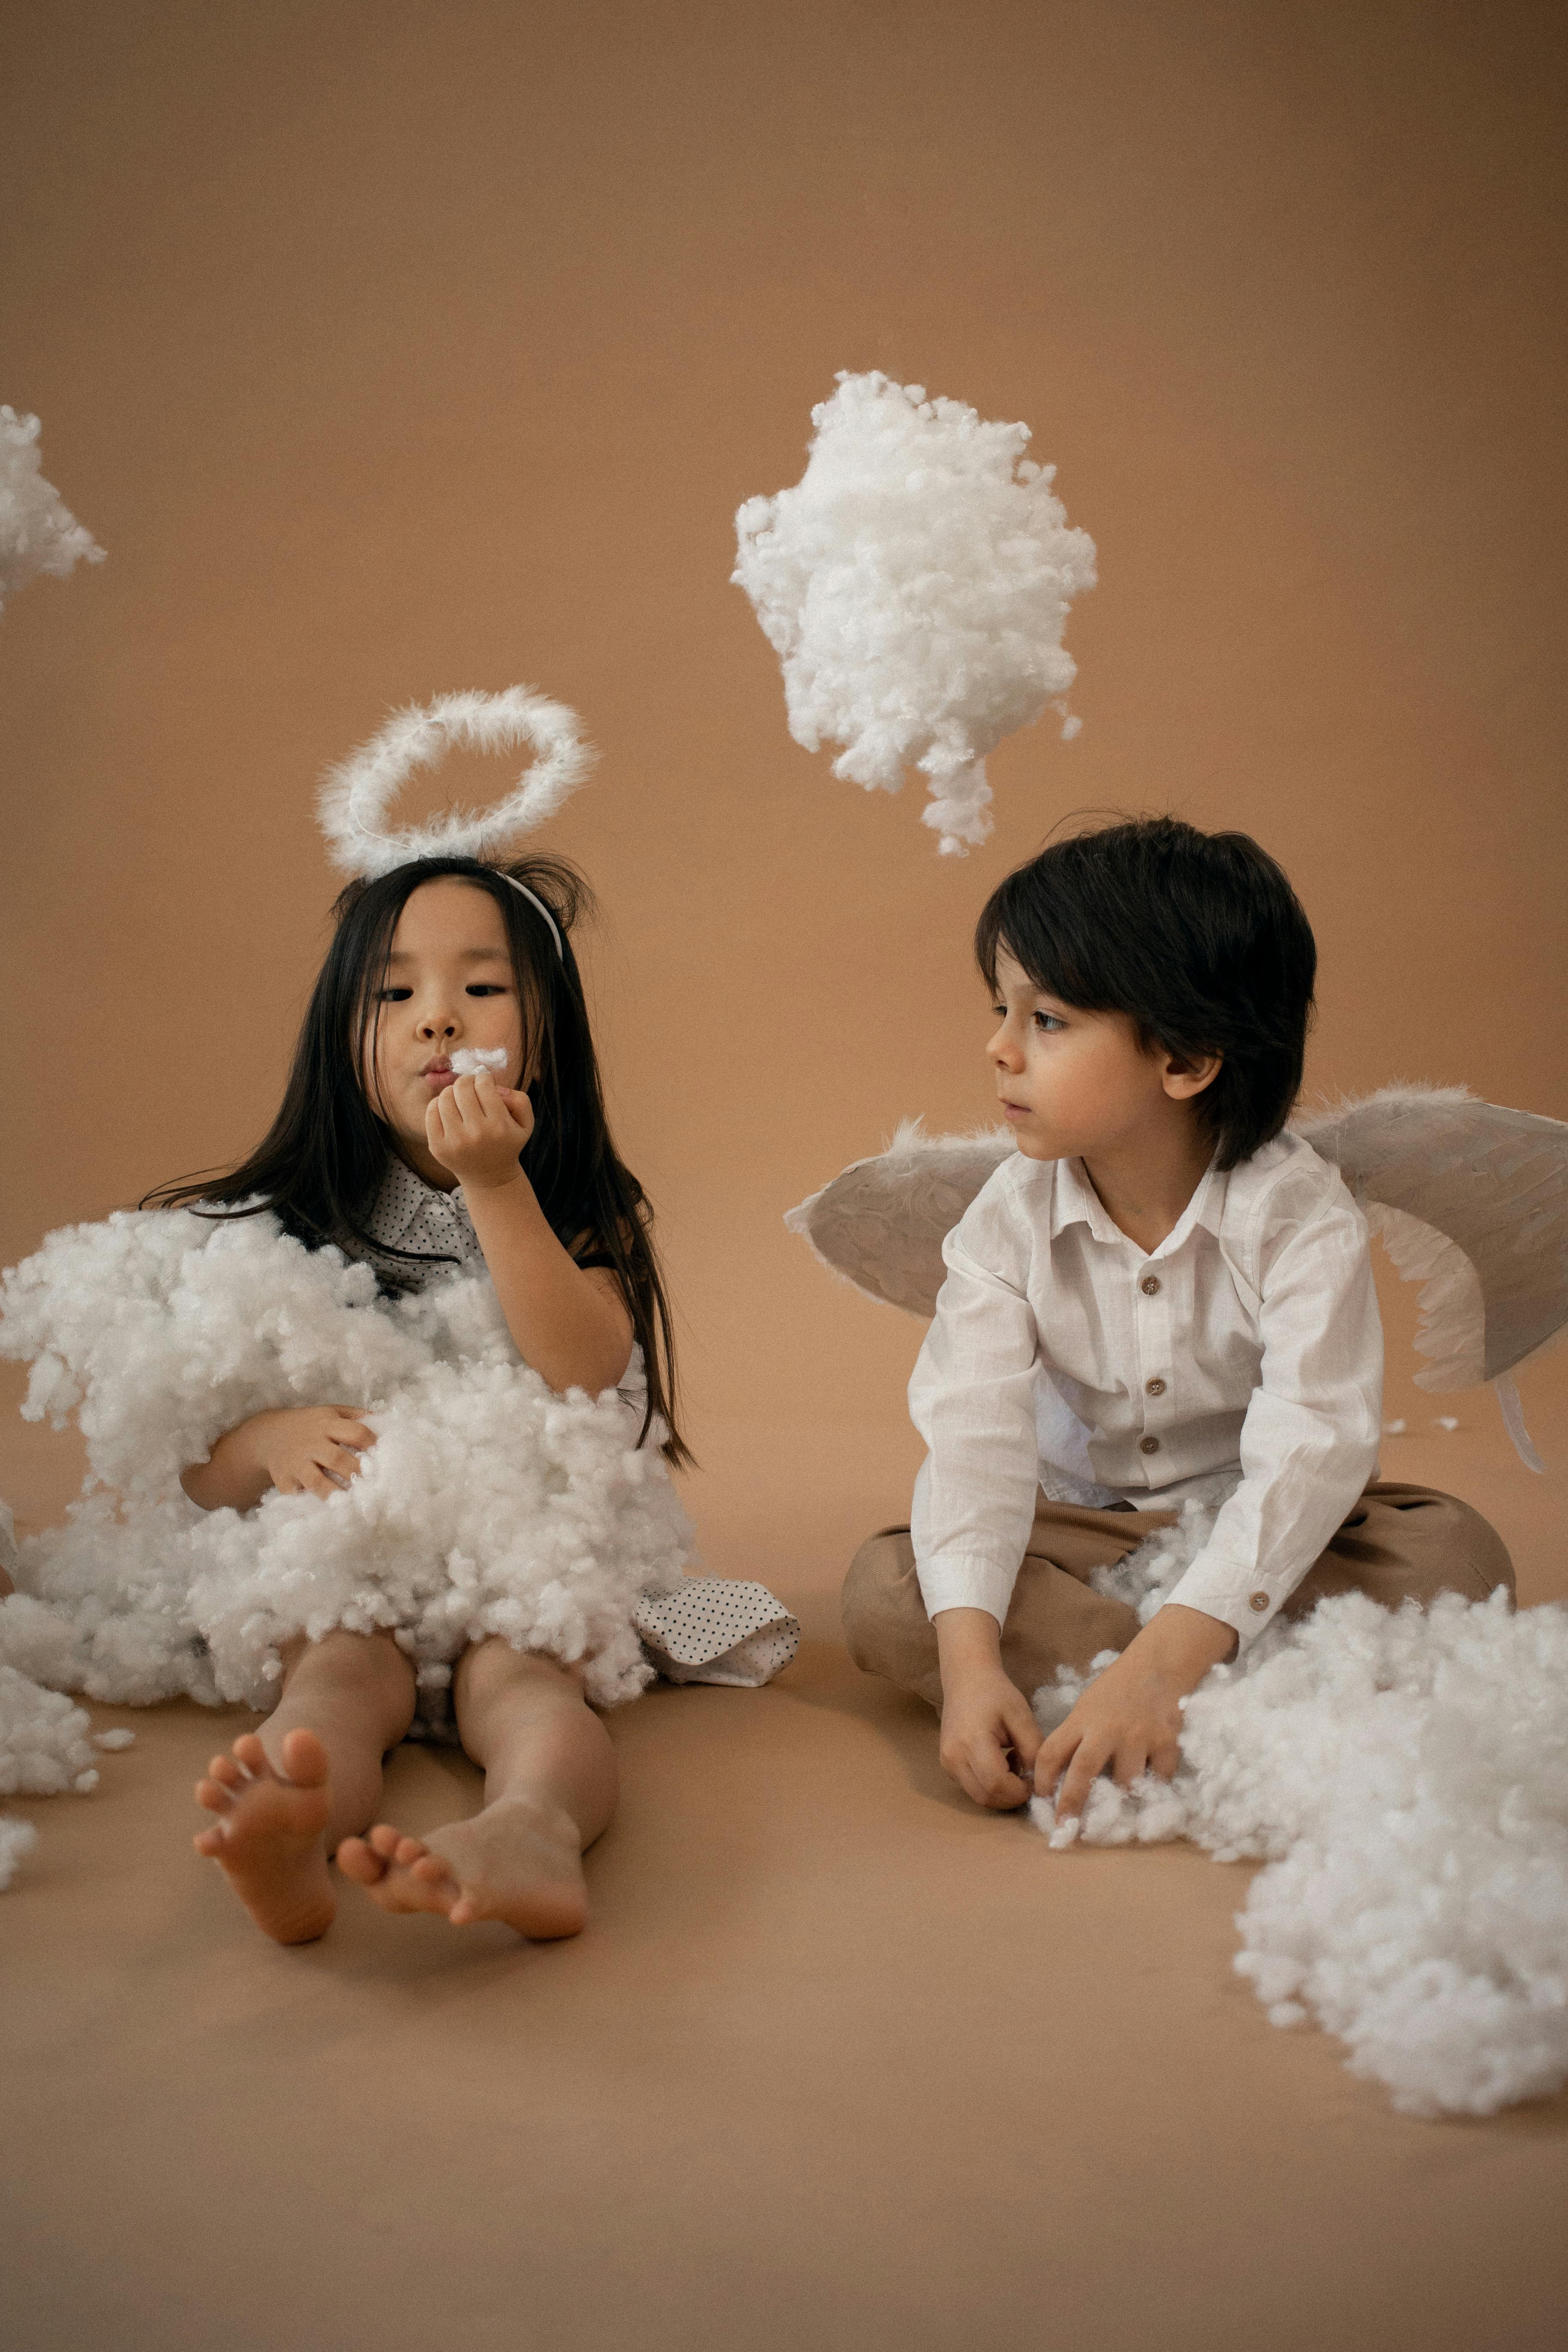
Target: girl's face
(450,983)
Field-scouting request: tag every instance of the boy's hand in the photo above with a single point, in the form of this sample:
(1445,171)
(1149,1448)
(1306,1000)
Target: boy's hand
(477,1129)
(1130,1719)
(300,1449)
(987,1722)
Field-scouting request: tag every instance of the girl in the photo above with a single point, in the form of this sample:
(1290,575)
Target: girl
(382,1148)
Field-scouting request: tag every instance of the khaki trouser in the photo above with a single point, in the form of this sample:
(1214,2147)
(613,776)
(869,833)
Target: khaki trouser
(1399,1543)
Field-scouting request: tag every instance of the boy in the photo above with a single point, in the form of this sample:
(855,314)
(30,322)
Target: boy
(1161,1296)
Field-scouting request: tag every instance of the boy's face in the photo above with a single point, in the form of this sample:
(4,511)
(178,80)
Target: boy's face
(1074,1084)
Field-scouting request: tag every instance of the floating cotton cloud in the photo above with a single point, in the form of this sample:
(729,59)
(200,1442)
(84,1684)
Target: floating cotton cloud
(1404,1775)
(37,531)
(17,1840)
(915,584)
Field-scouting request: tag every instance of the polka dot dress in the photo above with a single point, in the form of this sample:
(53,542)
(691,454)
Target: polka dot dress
(708,1629)
(410,1214)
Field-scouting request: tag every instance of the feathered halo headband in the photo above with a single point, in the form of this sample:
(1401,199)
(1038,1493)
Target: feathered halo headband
(357,792)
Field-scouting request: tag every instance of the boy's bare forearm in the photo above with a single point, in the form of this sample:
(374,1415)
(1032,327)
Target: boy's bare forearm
(966,1640)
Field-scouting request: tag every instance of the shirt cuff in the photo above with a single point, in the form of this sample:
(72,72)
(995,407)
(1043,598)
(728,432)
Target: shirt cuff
(959,1583)
(1246,1605)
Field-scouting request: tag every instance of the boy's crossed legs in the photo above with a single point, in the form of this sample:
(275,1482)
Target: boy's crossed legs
(1400,1542)
(310,1782)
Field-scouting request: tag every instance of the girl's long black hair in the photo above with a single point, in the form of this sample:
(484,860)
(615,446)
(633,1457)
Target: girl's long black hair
(321,1165)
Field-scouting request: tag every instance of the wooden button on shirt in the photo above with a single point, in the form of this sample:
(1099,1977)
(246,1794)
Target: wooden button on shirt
(1053,1328)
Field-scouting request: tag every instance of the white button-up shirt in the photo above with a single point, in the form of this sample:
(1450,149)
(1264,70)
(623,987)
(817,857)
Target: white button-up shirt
(1243,1358)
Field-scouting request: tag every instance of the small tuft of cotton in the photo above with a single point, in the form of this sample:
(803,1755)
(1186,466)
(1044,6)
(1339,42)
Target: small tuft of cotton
(37,531)
(112,1740)
(915,584)
(1446,1422)
(1405,1776)
(469,1060)
(17,1840)
(45,1746)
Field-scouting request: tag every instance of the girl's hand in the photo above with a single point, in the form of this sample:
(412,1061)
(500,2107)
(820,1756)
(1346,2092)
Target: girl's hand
(1130,1719)
(477,1129)
(987,1723)
(301,1450)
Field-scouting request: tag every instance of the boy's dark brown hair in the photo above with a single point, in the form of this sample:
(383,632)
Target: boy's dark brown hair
(1197,937)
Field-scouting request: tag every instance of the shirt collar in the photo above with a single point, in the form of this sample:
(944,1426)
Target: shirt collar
(1074,1200)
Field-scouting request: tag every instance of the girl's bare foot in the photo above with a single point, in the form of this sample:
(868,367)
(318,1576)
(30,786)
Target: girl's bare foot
(269,1836)
(520,1860)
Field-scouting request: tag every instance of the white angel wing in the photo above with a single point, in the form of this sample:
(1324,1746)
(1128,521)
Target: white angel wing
(882,1223)
(1471,1201)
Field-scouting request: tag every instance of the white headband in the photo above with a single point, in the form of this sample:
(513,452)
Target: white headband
(532,902)
(356,794)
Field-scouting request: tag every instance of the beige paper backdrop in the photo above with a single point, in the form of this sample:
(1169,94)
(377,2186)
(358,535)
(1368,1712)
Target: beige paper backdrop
(393,348)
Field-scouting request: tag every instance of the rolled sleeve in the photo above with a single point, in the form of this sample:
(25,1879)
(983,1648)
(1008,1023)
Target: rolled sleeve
(971,1398)
(1308,1442)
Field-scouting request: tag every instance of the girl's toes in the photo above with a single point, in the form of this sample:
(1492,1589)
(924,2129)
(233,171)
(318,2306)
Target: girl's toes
(385,1841)
(305,1760)
(249,1752)
(356,1860)
(213,1796)
(429,1868)
(225,1768)
(208,1842)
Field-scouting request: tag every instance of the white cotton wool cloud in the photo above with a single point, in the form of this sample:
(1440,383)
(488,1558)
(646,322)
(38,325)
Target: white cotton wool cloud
(469,1060)
(17,1840)
(46,1742)
(915,584)
(1405,1776)
(489,1503)
(37,531)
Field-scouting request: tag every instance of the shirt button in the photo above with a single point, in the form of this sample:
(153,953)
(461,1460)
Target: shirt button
(1257,1601)
(1154,1388)
(1148,1446)
(1150,1285)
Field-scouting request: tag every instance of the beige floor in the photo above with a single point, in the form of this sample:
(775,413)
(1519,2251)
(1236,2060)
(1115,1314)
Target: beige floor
(839,2063)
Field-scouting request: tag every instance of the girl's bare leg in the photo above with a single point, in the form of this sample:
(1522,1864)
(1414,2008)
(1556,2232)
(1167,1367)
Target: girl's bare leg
(550,1788)
(287,1795)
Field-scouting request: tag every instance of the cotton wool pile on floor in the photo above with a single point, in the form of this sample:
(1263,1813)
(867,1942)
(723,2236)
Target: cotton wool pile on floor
(1404,1777)
(46,1744)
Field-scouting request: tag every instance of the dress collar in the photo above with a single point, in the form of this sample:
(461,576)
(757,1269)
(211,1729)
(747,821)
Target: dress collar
(411,1214)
